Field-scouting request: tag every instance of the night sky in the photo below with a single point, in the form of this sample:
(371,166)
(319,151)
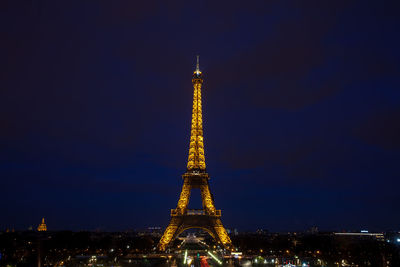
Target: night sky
(301,109)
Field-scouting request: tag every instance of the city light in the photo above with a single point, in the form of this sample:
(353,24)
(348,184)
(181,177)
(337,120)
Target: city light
(185,257)
(214,257)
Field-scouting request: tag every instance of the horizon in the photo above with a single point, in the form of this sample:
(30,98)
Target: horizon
(240,231)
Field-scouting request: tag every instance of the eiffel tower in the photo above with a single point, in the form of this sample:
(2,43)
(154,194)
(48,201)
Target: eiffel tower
(208,218)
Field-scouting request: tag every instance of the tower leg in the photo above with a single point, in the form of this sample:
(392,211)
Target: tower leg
(222,234)
(208,202)
(184,197)
(170,233)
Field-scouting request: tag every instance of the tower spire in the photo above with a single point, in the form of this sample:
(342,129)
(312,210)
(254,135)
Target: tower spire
(198,64)
(196,159)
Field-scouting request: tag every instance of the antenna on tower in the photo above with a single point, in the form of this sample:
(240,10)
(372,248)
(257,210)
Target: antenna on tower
(198,64)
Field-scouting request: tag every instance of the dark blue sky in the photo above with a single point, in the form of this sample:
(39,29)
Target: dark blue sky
(301,107)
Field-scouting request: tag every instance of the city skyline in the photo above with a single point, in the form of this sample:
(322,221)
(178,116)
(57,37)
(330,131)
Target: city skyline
(300,117)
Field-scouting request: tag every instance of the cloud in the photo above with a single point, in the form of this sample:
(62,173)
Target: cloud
(381,129)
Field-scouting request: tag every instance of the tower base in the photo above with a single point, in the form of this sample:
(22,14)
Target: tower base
(208,218)
(210,224)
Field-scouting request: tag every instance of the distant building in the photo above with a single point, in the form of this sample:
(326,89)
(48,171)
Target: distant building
(262,231)
(377,236)
(235,232)
(313,230)
(42,227)
(153,231)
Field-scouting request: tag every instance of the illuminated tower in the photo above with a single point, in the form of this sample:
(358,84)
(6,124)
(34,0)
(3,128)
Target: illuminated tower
(208,218)
(42,227)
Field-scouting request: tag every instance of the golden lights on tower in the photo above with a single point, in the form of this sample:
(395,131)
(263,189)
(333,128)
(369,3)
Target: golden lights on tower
(42,226)
(196,159)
